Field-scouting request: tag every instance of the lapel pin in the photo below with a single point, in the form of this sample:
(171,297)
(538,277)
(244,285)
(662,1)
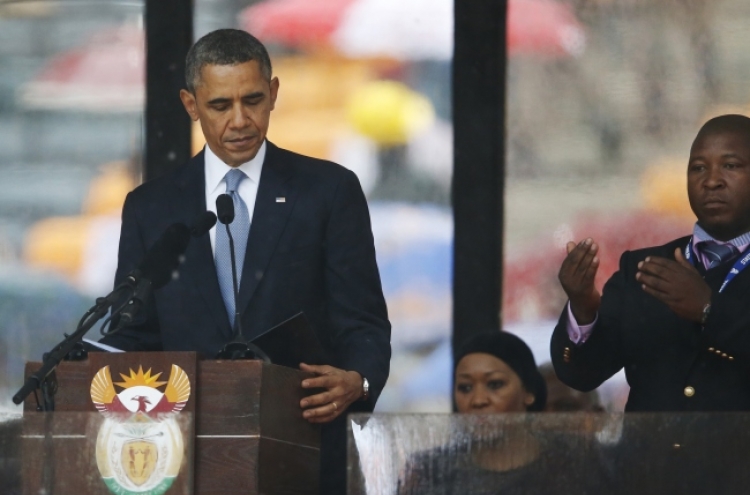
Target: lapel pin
(281,200)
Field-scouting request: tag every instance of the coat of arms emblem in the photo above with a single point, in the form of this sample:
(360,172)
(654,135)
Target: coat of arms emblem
(140,448)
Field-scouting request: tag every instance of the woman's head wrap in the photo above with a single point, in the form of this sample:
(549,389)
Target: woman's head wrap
(515,353)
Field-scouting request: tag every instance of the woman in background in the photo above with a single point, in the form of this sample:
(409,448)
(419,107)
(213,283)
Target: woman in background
(495,372)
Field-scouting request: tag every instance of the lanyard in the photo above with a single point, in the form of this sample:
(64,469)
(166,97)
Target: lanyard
(738,266)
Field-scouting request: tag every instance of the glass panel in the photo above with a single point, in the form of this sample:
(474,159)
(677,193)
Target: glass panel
(548,454)
(598,137)
(95,453)
(10,453)
(366,84)
(71,98)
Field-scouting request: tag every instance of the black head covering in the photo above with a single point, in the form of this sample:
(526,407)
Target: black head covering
(515,353)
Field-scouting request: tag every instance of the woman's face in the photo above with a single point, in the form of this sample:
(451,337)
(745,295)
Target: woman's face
(485,384)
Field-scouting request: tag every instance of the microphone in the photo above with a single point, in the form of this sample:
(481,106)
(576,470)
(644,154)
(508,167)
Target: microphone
(225,213)
(133,307)
(160,262)
(225,209)
(203,223)
(155,270)
(164,256)
(238,348)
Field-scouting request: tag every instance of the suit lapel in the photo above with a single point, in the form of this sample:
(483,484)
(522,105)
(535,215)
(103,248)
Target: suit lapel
(199,268)
(269,219)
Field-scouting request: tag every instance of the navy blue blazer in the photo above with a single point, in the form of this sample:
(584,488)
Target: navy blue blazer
(313,252)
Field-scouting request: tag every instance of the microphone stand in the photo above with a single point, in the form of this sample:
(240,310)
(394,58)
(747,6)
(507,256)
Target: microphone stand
(44,377)
(237,323)
(238,348)
(172,243)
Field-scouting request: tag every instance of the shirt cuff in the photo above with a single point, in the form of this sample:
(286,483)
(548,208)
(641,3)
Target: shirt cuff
(578,334)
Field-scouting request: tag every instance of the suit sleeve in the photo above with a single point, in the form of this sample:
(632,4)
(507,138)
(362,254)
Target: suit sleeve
(143,334)
(356,306)
(584,367)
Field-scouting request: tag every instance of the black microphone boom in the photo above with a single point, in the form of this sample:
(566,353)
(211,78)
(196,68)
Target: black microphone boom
(203,224)
(238,348)
(137,301)
(161,262)
(164,256)
(154,271)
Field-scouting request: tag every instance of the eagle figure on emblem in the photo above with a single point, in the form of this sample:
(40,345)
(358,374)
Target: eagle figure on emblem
(140,392)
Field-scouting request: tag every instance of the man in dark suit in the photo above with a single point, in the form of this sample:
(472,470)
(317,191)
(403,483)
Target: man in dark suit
(676,317)
(309,245)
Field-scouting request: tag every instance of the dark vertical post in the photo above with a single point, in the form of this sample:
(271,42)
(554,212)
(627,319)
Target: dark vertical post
(169,34)
(478,164)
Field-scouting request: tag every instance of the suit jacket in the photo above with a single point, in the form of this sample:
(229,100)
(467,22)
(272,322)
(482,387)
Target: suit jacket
(313,252)
(670,363)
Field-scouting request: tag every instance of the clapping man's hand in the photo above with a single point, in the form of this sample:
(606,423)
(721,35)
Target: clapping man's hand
(676,283)
(577,275)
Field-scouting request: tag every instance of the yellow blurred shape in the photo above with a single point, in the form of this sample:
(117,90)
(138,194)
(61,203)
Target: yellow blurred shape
(664,188)
(310,132)
(388,112)
(27,8)
(318,82)
(58,243)
(107,191)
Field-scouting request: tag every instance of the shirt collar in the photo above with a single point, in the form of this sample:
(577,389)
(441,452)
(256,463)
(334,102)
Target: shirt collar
(217,169)
(700,236)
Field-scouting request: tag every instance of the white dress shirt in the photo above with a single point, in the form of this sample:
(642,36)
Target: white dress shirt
(215,170)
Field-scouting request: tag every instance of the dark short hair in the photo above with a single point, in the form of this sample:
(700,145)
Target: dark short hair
(515,353)
(725,124)
(224,47)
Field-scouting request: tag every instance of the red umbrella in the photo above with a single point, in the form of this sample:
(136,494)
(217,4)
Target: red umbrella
(407,29)
(294,22)
(105,74)
(543,26)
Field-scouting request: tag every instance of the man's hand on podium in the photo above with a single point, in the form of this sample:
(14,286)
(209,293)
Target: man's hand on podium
(342,388)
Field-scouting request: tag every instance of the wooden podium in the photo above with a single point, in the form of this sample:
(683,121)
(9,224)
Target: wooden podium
(249,434)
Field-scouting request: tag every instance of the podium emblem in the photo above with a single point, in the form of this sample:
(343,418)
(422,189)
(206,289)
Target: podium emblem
(140,458)
(140,447)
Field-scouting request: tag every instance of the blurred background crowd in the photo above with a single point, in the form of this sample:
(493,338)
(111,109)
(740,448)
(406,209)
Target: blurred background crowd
(603,97)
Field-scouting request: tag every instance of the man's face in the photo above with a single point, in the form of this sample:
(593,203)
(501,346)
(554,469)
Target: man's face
(233,104)
(719,183)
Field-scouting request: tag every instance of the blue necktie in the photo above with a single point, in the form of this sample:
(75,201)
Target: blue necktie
(716,253)
(240,228)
